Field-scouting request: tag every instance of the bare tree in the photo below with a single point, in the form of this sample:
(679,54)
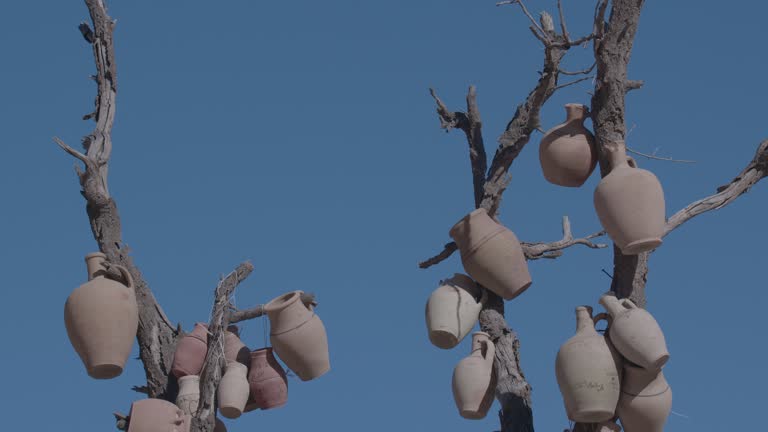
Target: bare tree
(612,40)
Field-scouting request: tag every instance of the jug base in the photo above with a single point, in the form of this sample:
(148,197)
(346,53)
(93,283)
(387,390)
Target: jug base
(641,246)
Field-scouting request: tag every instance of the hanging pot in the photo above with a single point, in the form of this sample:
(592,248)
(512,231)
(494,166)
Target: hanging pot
(190,352)
(567,151)
(474,380)
(233,390)
(189,394)
(298,336)
(219,426)
(630,205)
(267,379)
(587,370)
(646,400)
(635,333)
(452,310)
(491,254)
(234,348)
(101,318)
(157,415)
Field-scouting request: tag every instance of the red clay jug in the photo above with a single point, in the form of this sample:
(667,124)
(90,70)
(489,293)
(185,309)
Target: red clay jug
(267,379)
(474,380)
(635,333)
(102,317)
(646,400)
(630,205)
(233,390)
(157,415)
(567,151)
(587,370)
(190,352)
(234,348)
(491,254)
(298,336)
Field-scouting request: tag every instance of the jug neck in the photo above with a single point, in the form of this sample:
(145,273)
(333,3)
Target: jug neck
(611,304)
(575,113)
(94,263)
(584,321)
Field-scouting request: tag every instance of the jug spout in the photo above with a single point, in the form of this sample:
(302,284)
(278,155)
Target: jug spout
(611,304)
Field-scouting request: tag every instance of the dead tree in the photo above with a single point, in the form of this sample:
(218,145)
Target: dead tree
(612,40)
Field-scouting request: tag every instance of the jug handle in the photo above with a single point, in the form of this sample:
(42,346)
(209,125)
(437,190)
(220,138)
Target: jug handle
(603,316)
(629,304)
(126,275)
(490,353)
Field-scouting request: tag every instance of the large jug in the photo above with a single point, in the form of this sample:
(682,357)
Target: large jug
(452,310)
(646,400)
(267,379)
(567,151)
(233,390)
(635,333)
(474,380)
(190,352)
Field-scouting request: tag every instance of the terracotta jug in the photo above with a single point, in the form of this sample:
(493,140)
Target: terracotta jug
(587,370)
(635,333)
(157,415)
(567,151)
(630,205)
(102,317)
(267,379)
(298,336)
(452,310)
(234,348)
(491,254)
(190,352)
(189,394)
(646,400)
(474,380)
(233,390)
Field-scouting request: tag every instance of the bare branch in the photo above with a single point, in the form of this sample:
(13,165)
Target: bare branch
(633,85)
(536,28)
(447,251)
(580,72)
(650,156)
(257,311)
(534,251)
(72,151)
(574,82)
(563,27)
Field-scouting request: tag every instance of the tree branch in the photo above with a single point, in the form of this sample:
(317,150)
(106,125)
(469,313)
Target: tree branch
(257,311)
(534,251)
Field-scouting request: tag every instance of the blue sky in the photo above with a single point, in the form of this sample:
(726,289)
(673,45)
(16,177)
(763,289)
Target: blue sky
(301,135)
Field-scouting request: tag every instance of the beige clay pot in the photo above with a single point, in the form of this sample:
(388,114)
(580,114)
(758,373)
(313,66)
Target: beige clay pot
(102,317)
(635,333)
(646,400)
(233,390)
(491,254)
(630,205)
(189,394)
(157,415)
(474,380)
(298,336)
(452,310)
(567,151)
(587,370)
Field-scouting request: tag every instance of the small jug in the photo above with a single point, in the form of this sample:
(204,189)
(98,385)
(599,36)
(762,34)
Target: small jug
(635,333)
(474,380)
(452,310)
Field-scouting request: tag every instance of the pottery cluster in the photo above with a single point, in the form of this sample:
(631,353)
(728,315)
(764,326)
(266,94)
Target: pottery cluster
(616,374)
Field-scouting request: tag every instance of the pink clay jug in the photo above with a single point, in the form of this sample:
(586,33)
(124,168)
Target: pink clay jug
(630,205)
(298,336)
(267,379)
(474,380)
(635,333)
(646,400)
(233,390)
(452,310)
(157,415)
(587,370)
(234,348)
(567,151)
(190,352)
(491,254)
(102,317)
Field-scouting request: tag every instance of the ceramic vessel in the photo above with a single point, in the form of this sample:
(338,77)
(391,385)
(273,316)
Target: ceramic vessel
(609,426)
(157,415)
(190,352)
(189,394)
(587,370)
(635,333)
(567,151)
(234,348)
(630,205)
(267,379)
(474,380)
(220,426)
(298,336)
(491,254)
(233,390)
(101,318)
(452,310)
(646,400)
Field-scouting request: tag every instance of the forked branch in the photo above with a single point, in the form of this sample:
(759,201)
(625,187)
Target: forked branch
(534,251)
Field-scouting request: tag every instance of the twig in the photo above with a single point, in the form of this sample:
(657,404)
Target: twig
(574,82)
(71,151)
(534,251)
(447,251)
(581,72)
(563,27)
(530,17)
(659,158)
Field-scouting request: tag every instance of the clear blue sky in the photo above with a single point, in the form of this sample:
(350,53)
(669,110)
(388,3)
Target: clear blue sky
(301,135)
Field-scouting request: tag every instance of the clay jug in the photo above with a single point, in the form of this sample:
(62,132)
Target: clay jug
(491,254)
(189,394)
(567,151)
(587,370)
(234,348)
(474,380)
(635,333)
(102,317)
(298,336)
(219,426)
(646,400)
(157,415)
(630,205)
(190,352)
(452,310)
(267,380)
(233,390)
